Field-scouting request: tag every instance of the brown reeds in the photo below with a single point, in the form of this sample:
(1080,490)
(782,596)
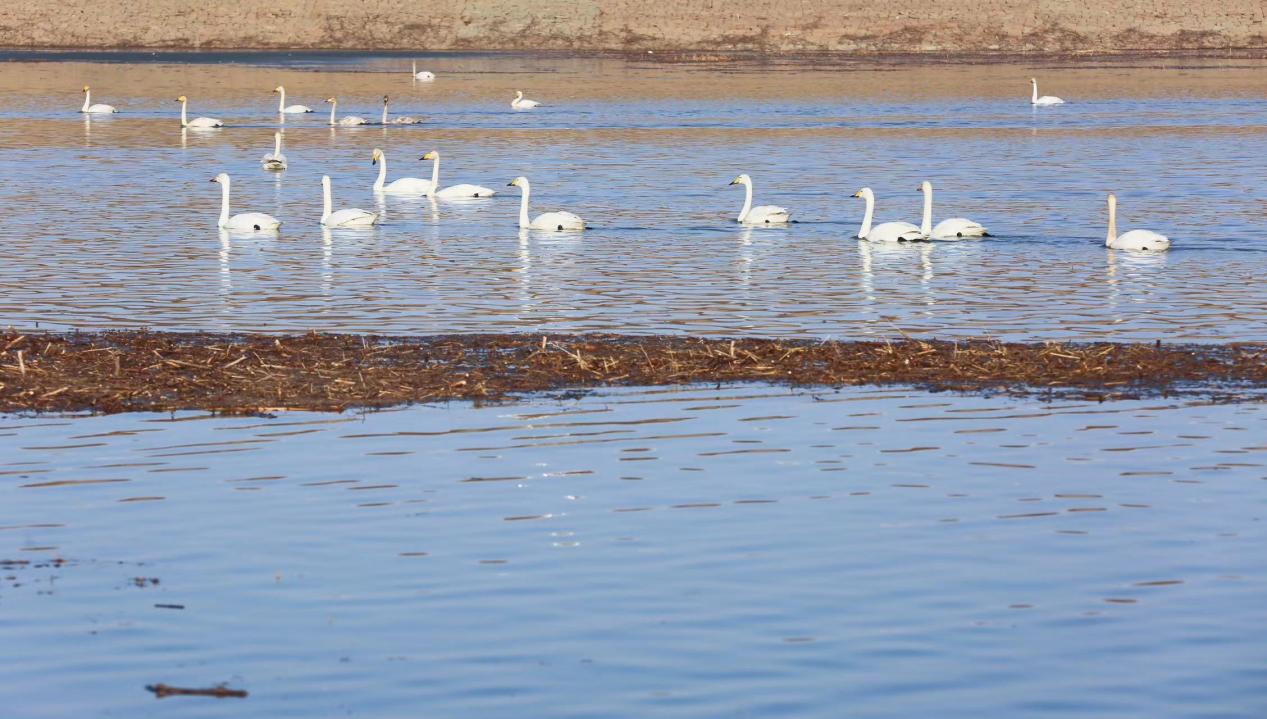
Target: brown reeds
(151,371)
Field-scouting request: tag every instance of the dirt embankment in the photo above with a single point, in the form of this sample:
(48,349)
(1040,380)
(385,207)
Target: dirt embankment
(697,26)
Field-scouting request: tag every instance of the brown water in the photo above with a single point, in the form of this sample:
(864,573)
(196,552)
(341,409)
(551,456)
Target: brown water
(113,218)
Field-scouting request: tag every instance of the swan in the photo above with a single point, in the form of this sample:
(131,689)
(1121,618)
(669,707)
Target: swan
(197,121)
(424,75)
(352,217)
(275,160)
(245,221)
(293,109)
(1045,99)
(349,121)
(888,231)
(762,215)
(400,186)
(519,103)
(452,192)
(98,109)
(953,228)
(1146,240)
(547,221)
(402,120)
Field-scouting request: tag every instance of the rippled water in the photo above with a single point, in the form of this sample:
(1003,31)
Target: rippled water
(111,220)
(680,553)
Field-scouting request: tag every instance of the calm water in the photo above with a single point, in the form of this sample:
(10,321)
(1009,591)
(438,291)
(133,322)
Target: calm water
(113,220)
(685,553)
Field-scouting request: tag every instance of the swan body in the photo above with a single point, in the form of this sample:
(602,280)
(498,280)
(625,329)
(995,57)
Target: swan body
(275,160)
(351,217)
(402,120)
(1045,99)
(522,103)
(401,186)
(452,192)
(291,110)
(424,75)
(203,122)
(954,228)
(762,214)
(348,121)
(557,221)
(888,231)
(98,109)
(1138,240)
(245,221)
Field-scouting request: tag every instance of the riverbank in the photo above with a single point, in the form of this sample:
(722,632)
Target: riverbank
(693,28)
(165,371)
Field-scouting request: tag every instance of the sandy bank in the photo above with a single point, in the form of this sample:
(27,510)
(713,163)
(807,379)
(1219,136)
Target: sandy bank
(696,26)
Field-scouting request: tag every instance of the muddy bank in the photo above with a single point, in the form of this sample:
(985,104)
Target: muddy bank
(146,371)
(938,26)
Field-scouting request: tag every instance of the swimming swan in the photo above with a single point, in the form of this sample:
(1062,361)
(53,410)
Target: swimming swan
(349,121)
(1144,240)
(953,228)
(293,109)
(243,222)
(197,121)
(424,75)
(1045,99)
(275,160)
(547,221)
(452,192)
(98,109)
(351,217)
(402,120)
(401,186)
(888,231)
(519,103)
(762,215)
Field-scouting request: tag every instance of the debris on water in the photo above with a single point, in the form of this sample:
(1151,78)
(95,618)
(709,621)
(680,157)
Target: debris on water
(219,691)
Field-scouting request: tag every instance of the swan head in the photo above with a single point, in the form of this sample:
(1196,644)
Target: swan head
(85,88)
(384,99)
(279,88)
(329,99)
(1033,81)
(517,182)
(1112,200)
(375,156)
(182,98)
(222,178)
(325,180)
(741,180)
(925,186)
(864,193)
(519,94)
(432,155)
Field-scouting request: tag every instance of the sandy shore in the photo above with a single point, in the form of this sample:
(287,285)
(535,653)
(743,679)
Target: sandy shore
(681,26)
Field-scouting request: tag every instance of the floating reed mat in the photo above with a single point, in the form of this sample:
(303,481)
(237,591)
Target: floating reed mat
(152,371)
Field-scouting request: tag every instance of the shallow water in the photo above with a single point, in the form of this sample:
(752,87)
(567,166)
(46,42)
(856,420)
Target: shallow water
(671,553)
(112,219)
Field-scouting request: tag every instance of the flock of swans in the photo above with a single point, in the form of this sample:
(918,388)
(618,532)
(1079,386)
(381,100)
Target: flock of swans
(956,228)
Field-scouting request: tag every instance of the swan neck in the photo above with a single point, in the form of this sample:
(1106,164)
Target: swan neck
(325,201)
(435,172)
(926,226)
(184,122)
(384,113)
(382,172)
(1034,97)
(523,207)
(747,201)
(1112,223)
(333,106)
(281,102)
(866,217)
(224,203)
(87,101)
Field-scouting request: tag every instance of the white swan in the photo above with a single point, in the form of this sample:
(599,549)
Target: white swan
(349,121)
(548,220)
(275,160)
(245,221)
(424,75)
(402,120)
(761,215)
(452,192)
(400,186)
(888,231)
(953,228)
(98,109)
(293,109)
(1144,240)
(197,121)
(1045,99)
(351,217)
(520,103)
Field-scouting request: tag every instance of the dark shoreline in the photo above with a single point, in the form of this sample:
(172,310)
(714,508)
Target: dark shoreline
(134,371)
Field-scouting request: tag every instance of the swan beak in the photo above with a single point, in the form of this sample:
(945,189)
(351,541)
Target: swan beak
(734,182)
(510,184)
(857,194)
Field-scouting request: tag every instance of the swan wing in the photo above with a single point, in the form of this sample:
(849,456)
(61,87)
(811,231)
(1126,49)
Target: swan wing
(101,109)
(409,186)
(462,191)
(405,120)
(558,221)
(351,217)
(298,109)
(895,232)
(1141,240)
(205,122)
(1049,100)
(253,221)
(767,215)
(353,120)
(954,228)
